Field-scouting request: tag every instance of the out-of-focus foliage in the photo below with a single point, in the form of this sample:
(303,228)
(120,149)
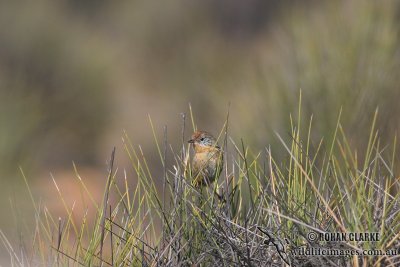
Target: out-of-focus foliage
(52,88)
(73,74)
(67,66)
(343,55)
(53,99)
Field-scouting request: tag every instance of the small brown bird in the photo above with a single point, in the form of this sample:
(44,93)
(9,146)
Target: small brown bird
(208,159)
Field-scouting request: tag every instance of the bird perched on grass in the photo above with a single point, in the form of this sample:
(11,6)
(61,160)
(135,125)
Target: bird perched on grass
(208,159)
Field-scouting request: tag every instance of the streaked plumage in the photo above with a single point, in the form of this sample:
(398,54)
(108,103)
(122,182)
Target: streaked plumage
(207,162)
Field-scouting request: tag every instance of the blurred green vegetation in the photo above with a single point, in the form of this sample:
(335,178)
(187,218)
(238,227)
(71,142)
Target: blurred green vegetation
(73,74)
(66,67)
(52,90)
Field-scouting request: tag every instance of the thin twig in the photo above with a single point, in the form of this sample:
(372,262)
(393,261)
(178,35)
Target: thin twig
(103,216)
(247,174)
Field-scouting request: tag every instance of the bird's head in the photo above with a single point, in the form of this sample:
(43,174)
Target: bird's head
(203,139)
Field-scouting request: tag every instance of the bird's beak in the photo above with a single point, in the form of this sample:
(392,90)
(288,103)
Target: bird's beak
(191,141)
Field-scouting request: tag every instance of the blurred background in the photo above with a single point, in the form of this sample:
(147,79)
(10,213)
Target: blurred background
(75,74)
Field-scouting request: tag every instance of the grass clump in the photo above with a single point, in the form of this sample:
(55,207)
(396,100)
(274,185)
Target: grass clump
(260,212)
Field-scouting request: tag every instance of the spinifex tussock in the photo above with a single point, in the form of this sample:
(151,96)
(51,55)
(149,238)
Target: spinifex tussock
(259,213)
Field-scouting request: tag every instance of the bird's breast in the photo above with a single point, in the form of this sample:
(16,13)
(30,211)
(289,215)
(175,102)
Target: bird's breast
(207,159)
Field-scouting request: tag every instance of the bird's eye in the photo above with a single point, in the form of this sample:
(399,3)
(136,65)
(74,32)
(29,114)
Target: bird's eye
(202,139)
